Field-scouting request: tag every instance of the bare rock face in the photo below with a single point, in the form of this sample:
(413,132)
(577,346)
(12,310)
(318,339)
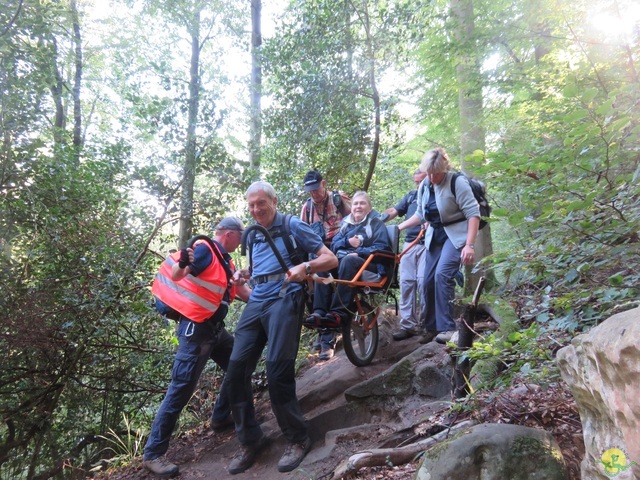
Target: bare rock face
(602,368)
(495,452)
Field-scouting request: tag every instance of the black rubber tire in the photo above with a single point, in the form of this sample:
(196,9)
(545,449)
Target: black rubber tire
(360,347)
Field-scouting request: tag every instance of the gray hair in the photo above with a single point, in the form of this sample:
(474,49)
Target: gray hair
(265,187)
(435,161)
(362,193)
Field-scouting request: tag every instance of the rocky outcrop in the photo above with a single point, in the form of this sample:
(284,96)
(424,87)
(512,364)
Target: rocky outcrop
(495,452)
(602,368)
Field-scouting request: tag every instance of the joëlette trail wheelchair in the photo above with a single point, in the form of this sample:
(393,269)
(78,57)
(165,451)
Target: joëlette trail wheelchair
(360,330)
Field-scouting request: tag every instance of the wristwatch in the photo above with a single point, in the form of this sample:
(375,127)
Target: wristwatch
(307,268)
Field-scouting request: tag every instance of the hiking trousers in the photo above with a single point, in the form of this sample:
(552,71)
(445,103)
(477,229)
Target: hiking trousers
(277,321)
(411,272)
(197,343)
(442,263)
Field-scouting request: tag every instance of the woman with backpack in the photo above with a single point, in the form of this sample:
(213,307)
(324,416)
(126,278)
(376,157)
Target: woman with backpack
(452,221)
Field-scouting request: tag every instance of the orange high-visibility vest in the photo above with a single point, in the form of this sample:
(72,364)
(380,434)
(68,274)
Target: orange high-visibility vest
(196,298)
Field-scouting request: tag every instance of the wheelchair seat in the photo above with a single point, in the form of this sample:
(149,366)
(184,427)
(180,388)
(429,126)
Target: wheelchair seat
(392,275)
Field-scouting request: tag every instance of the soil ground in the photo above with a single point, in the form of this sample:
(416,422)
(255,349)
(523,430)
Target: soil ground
(203,454)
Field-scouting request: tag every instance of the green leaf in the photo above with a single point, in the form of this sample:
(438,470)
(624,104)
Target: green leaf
(577,115)
(571,276)
(514,337)
(616,280)
(589,95)
(570,91)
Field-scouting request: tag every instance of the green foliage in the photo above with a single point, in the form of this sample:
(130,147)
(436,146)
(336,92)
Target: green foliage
(503,357)
(82,347)
(125,447)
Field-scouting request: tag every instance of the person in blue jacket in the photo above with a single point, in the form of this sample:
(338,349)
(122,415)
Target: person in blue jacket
(273,315)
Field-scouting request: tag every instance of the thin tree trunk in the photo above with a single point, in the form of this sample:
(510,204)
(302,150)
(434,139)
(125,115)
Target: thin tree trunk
(190,161)
(77,83)
(470,107)
(375,97)
(57,86)
(256,87)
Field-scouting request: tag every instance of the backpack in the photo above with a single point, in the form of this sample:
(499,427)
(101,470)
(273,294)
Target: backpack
(336,198)
(164,309)
(296,254)
(479,192)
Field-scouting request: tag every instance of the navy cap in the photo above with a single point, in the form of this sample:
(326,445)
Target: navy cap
(312,181)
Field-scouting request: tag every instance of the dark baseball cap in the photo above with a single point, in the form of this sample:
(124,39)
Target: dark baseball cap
(230,223)
(312,181)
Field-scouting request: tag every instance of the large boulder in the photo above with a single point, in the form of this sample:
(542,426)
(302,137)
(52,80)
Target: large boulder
(602,368)
(495,452)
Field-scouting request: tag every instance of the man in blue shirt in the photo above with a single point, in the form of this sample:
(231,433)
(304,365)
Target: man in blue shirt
(411,266)
(274,315)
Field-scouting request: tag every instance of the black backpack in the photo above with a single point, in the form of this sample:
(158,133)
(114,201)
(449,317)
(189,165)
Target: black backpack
(479,192)
(336,198)
(296,254)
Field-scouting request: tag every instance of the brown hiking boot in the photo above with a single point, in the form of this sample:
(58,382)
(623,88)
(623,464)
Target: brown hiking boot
(403,334)
(246,455)
(161,467)
(428,337)
(293,455)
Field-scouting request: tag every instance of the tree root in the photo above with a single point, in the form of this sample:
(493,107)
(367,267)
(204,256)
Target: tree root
(394,456)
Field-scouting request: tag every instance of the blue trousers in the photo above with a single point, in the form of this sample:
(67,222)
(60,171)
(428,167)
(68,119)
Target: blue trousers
(442,262)
(341,300)
(279,322)
(197,343)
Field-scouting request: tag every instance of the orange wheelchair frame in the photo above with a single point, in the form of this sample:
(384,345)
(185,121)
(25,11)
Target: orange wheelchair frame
(360,334)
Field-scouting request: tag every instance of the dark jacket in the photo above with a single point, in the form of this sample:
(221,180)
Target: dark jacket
(373,231)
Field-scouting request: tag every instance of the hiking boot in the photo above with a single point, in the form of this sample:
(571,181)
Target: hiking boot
(403,334)
(332,320)
(293,455)
(316,345)
(314,320)
(161,467)
(220,426)
(327,354)
(444,337)
(427,337)
(245,456)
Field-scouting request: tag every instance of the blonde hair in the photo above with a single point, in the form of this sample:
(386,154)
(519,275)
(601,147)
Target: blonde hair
(435,161)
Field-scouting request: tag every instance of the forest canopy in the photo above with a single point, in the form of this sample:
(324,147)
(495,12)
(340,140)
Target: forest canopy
(130,125)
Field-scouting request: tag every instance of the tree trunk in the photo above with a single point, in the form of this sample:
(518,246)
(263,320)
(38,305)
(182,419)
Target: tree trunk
(57,87)
(375,97)
(190,161)
(255,139)
(77,83)
(470,107)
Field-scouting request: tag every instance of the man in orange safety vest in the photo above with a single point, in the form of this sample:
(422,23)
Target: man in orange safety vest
(195,286)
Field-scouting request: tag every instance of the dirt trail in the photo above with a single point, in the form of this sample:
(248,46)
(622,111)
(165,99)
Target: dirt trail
(321,385)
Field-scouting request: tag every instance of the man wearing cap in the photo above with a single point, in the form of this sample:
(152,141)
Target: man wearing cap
(196,285)
(324,211)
